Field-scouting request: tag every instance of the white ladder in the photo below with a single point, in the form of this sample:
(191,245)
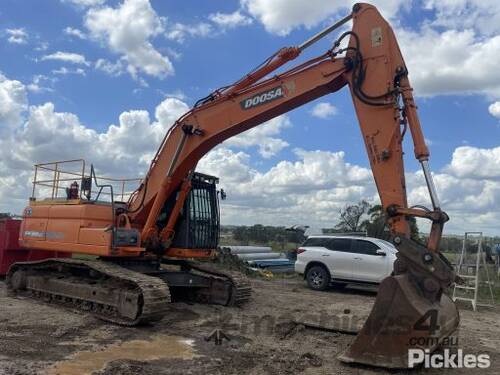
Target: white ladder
(497,259)
(472,281)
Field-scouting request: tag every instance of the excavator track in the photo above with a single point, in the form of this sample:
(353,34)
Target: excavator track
(105,290)
(240,290)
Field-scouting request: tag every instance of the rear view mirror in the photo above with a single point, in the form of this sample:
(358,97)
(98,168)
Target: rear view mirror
(381,252)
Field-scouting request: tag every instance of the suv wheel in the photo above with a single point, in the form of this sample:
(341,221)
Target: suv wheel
(318,278)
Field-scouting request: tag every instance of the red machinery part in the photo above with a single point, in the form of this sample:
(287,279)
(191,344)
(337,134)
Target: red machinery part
(11,252)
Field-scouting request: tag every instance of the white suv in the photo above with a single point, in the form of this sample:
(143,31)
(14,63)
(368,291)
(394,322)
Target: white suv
(339,260)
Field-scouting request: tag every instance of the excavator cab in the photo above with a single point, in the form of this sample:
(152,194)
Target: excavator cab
(196,232)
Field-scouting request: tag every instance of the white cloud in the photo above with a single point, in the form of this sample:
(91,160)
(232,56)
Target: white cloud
(481,15)
(65,71)
(17,36)
(282,16)
(127,30)
(42,46)
(74,58)
(177,94)
(310,190)
(179,32)
(454,62)
(169,110)
(75,32)
(494,109)
(230,20)
(263,136)
(475,163)
(113,69)
(85,3)
(324,110)
(176,55)
(234,166)
(316,170)
(36,86)
(13,102)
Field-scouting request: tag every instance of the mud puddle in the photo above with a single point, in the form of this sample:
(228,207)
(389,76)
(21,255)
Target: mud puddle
(160,347)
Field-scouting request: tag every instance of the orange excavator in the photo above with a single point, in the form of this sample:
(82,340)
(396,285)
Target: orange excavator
(149,248)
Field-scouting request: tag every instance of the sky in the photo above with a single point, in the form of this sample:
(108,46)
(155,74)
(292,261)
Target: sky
(103,80)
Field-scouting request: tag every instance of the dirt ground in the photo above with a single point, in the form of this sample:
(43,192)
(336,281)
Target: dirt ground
(36,338)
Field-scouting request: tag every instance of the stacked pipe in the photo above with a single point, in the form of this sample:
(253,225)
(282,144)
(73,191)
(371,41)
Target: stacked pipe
(260,257)
(252,252)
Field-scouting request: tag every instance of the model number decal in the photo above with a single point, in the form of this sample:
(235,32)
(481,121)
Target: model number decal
(52,235)
(32,233)
(263,97)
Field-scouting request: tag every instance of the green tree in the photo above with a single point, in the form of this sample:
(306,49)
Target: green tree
(262,234)
(415,233)
(376,225)
(351,215)
(241,234)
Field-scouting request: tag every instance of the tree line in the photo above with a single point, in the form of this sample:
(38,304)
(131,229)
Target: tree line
(264,234)
(354,218)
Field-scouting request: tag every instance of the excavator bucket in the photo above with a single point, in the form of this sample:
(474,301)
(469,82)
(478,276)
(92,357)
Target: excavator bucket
(405,316)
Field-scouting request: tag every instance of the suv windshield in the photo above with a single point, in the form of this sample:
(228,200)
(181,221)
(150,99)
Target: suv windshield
(387,243)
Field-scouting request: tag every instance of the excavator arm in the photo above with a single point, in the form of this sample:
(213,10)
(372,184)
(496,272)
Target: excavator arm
(372,66)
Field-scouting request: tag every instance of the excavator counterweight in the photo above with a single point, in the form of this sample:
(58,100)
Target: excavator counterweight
(173,215)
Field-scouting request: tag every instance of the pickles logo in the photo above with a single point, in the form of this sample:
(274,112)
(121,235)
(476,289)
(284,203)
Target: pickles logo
(263,98)
(452,357)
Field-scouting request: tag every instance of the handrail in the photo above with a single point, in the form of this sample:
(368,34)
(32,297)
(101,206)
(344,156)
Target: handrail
(59,162)
(100,177)
(113,226)
(61,173)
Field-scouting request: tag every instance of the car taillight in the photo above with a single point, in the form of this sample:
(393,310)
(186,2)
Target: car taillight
(300,250)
